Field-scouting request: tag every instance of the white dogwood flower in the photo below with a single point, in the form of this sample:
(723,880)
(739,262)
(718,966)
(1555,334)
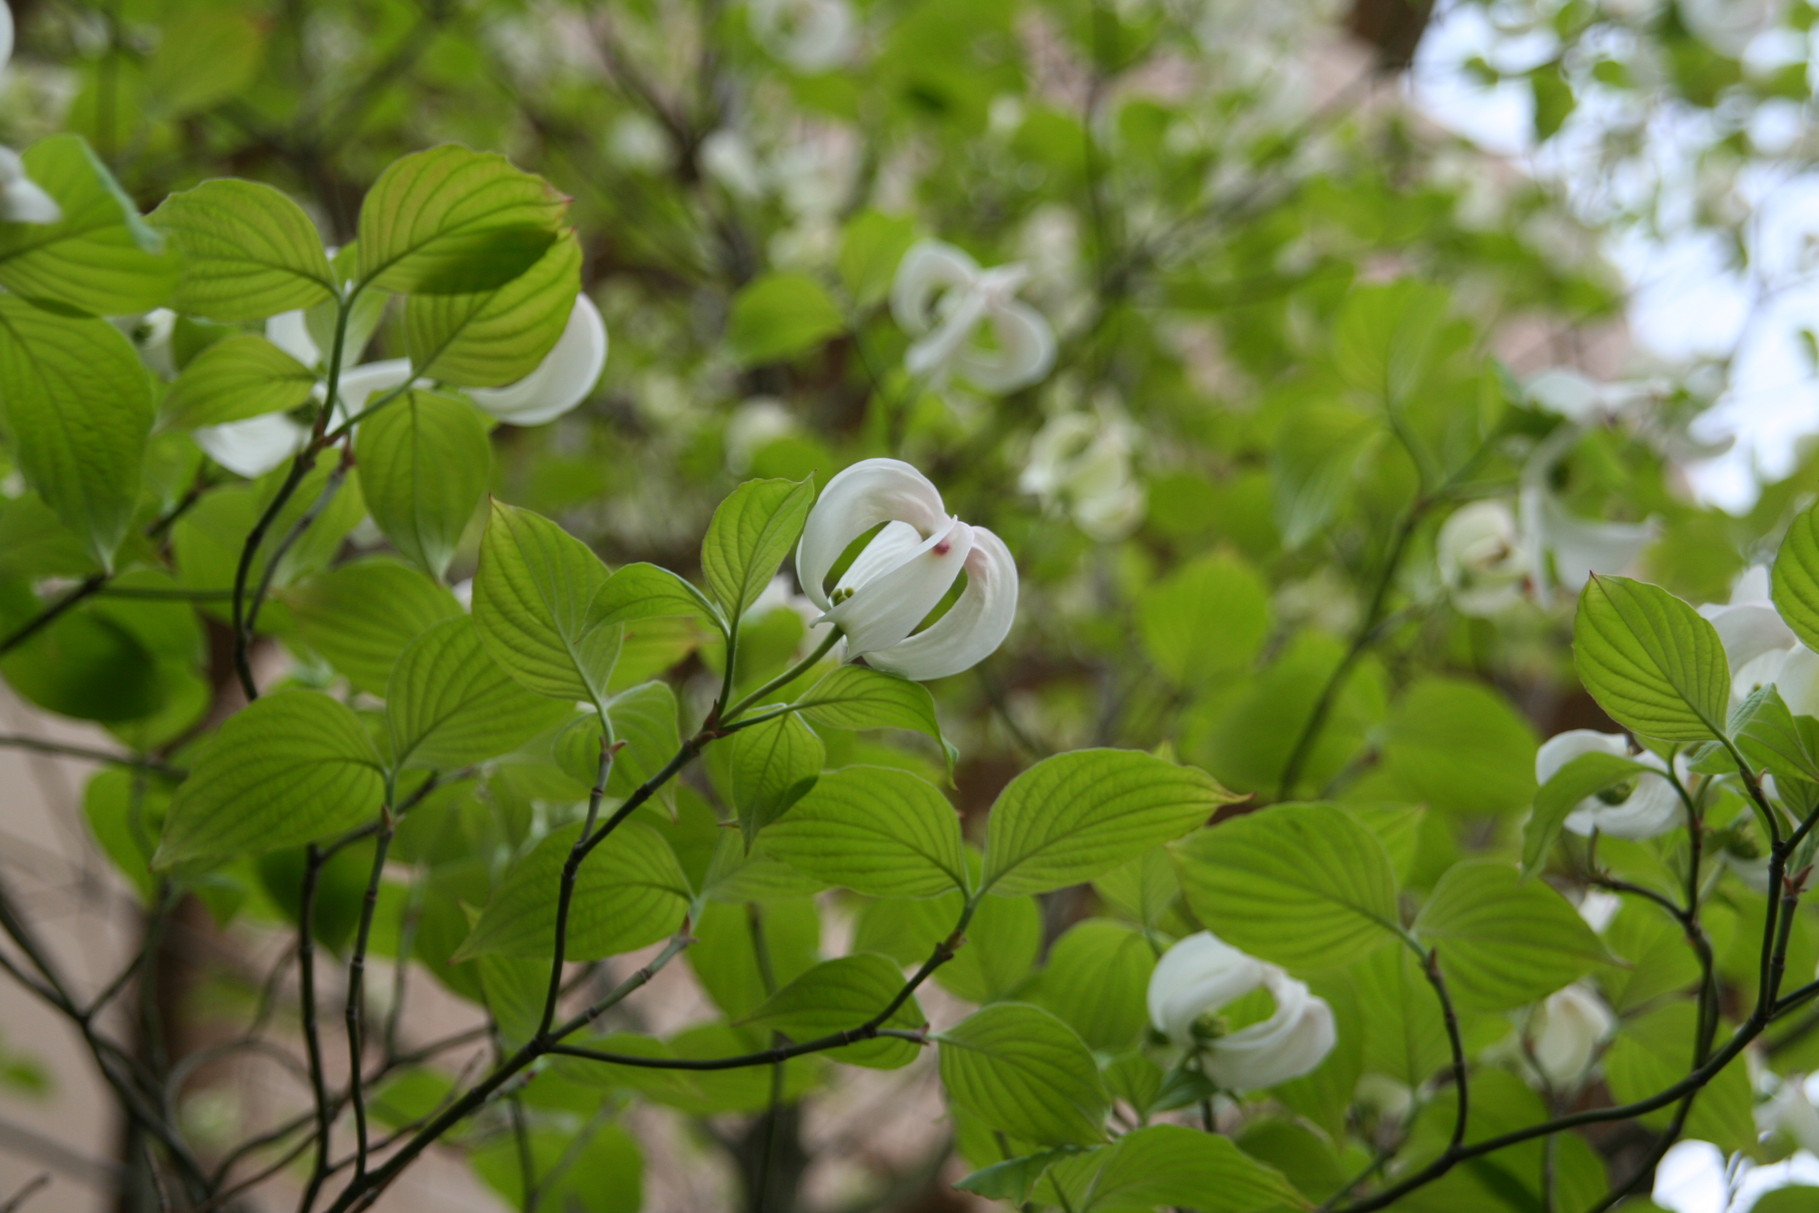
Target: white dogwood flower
(1644,808)
(1565,1031)
(1202,974)
(561,381)
(946,303)
(811,36)
(1480,554)
(22,200)
(905,571)
(1081,463)
(1729,26)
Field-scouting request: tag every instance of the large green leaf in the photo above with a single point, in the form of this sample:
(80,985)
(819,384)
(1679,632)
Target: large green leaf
(1218,595)
(248,251)
(751,533)
(581,1168)
(1651,661)
(858,697)
(841,994)
(362,615)
(235,378)
(1654,1051)
(628,893)
(448,704)
(489,338)
(205,55)
(77,405)
(1026,1074)
(533,599)
(779,316)
(1169,1165)
(1795,578)
(1096,979)
(1504,942)
(288,769)
(1304,886)
(1459,747)
(645,591)
(995,957)
(769,767)
(874,830)
(454,221)
(424,463)
(1075,816)
(101,257)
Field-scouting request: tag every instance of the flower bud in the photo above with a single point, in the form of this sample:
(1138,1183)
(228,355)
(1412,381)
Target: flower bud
(1565,1031)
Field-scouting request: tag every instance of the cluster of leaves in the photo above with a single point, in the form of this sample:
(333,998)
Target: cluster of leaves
(506,793)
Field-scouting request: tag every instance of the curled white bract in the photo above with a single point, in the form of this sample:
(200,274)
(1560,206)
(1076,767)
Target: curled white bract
(810,35)
(1479,551)
(561,381)
(1202,974)
(945,302)
(904,572)
(255,446)
(1645,808)
(1565,1031)
(1081,463)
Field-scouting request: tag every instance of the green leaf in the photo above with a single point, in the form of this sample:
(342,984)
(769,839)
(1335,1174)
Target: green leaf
(1794,580)
(424,463)
(1504,942)
(579,1167)
(858,697)
(1459,747)
(1096,980)
(770,767)
(1218,595)
(1304,886)
(645,591)
(841,994)
(533,598)
(751,533)
(237,377)
(1316,461)
(1025,1073)
(449,705)
(101,257)
(204,56)
(494,337)
(1654,944)
(870,249)
(781,315)
(1586,775)
(1013,1178)
(1654,1051)
(1000,946)
(248,251)
(288,769)
(363,615)
(1170,1165)
(629,892)
(1651,661)
(77,405)
(874,830)
(1074,816)
(453,221)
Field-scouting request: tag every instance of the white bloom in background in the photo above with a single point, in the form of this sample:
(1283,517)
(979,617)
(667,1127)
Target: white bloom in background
(1642,809)
(945,302)
(899,577)
(1564,1033)
(1202,974)
(22,200)
(561,381)
(1564,550)
(638,141)
(727,160)
(810,35)
(1598,908)
(1082,463)
(1789,1112)
(752,426)
(1729,26)
(1480,554)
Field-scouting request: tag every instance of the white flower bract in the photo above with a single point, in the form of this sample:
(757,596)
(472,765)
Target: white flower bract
(1202,974)
(1648,808)
(906,570)
(944,301)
